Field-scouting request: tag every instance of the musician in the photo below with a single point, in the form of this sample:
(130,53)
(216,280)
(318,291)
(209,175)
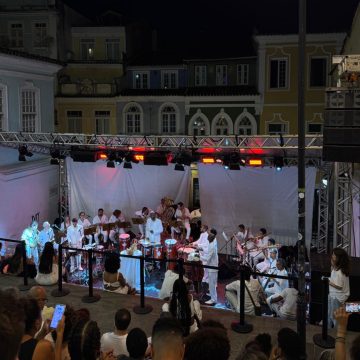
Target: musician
(99,220)
(269,263)
(276,286)
(242,234)
(154,228)
(64,226)
(45,235)
(161,208)
(31,237)
(183,214)
(203,246)
(212,260)
(143,213)
(74,236)
(85,222)
(261,243)
(117,216)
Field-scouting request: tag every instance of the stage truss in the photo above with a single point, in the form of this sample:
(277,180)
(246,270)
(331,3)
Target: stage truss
(257,145)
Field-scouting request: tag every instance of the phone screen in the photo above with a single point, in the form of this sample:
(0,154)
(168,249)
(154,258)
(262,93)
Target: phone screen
(58,313)
(352,307)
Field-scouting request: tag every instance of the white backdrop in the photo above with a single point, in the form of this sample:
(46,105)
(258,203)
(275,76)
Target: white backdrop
(256,197)
(93,186)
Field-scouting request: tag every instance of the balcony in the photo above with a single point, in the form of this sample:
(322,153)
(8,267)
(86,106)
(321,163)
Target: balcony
(87,88)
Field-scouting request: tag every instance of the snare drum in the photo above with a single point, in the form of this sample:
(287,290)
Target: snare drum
(184,252)
(124,241)
(146,248)
(158,251)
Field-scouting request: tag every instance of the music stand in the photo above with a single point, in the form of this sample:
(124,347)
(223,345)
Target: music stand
(124,225)
(90,230)
(138,221)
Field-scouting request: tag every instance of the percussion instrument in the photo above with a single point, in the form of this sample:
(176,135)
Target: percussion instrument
(184,252)
(124,241)
(146,247)
(169,244)
(157,251)
(87,247)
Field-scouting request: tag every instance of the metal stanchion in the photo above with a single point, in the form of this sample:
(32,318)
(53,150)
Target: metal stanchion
(91,298)
(181,268)
(60,291)
(142,309)
(242,327)
(25,286)
(324,340)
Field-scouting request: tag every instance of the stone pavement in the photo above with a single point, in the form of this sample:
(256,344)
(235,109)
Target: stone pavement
(103,312)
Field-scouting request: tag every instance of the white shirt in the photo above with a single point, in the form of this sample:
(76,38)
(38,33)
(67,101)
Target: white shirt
(241,236)
(168,284)
(111,341)
(75,235)
(30,237)
(156,227)
(340,279)
(281,284)
(212,258)
(46,235)
(203,243)
(181,214)
(113,218)
(84,223)
(102,220)
(288,308)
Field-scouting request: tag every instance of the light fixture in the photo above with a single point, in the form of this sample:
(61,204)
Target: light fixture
(23,152)
(255,162)
(139,157)
(110,164)
(278,163)
(208,160)
(179,167)
(127,165)
(102,156)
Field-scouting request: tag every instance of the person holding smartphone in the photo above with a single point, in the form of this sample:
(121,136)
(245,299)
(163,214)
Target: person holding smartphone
(339,288)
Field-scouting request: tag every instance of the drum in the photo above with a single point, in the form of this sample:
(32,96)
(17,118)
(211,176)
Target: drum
(124,241)
(184,252)
(145,247)
(169,245)
(158,251)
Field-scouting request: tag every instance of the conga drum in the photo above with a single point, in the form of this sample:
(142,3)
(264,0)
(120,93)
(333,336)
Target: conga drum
(124,241)
(171,252)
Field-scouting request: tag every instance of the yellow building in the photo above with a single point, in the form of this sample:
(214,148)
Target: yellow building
(86,101)
(278,80)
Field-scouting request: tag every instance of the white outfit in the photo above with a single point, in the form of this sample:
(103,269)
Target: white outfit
(258,255)
(153,230)
(75,236)
(184,216)
(266,265)
(279,284)
(31,239)
(110,341)
(286,308)
(232,293)
(103,220)
(212,259)
(45,235)
(86,223)
(140,214)
(114,219)
(203,243)
(48,279)
(168,284)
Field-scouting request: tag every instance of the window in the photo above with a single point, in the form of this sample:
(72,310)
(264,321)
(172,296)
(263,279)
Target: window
(133,120)
(243,74)
(278,73)
(221,126)
(169,79)
(245,127)
(200,75)
(221,74)
(168,120)
(199,127)
(74,122)
(102,122)
(314,128)
(28,110)
(141,80)
(275,129)
(87,49)
(40,35)
(318,72)
(113,49)
(16,35)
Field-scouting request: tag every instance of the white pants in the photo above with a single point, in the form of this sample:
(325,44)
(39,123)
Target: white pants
(234,299)
(213,277)
(142,229)
(104,233)
(276,308)
(178,230)
(33,253)
(75,262)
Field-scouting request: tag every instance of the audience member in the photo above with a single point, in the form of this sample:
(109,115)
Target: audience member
(168,283)
(12,325)
(264,341)
(136,344)
(167,340)
(288,346)
(32,326)
(116,341)
(48,269)
(252,353)
(207,343)
(14,264)
(183,307)
(210,323)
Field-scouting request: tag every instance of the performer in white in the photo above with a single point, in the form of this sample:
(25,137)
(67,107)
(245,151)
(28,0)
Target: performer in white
(212,260)
(203,246)
(99,220)
(183,214)
(143,214)
(46,235)
(269,263)
(31,237)
(75,235)
(276,286)
(117,216)
(85,222)
(161,208)
(154,228)
(262,242)
(64,226)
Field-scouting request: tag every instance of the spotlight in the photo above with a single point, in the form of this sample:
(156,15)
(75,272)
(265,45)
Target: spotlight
(234,166)
(208,160)
(278,163)
(231,161)
(127,165)
(110,164)
(255,162)
(54,162)
(23,152)
(179,167)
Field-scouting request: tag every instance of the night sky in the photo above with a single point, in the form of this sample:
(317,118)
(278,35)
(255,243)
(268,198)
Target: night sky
(223,27)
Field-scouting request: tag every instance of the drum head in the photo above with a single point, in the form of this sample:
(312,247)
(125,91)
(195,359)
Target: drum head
(170,242)
(124,236)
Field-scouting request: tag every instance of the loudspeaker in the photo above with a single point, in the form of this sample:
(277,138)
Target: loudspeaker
(155,158)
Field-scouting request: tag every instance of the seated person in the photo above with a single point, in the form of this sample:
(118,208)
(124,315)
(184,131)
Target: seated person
(284,304)
(269,263)
(48,269)
(136,344)
(168,283)
(232,294)
(276,286)
(113,280)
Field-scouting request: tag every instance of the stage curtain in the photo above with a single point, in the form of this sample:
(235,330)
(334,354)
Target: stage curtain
(256,197)
(93,186)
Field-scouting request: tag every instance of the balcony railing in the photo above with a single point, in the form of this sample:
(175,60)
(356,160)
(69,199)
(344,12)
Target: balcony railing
(87,89)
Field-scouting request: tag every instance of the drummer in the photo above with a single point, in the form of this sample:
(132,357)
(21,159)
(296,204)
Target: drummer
(117,216)
(154,228)
(203,246)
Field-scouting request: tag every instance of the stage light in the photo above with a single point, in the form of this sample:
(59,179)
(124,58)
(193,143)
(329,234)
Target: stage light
(226,167)
(139,157)
(54,162)
(179,167)
(127,165)
(23,152)
(234,166)
(102,156)
(278,163)
(110,164)
(158,158)
(325,182)
(255,162)
(208,160)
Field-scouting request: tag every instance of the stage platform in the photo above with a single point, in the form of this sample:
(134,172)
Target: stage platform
(103,312)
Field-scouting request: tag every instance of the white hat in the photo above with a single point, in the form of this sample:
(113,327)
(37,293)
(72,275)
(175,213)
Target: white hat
(46,223)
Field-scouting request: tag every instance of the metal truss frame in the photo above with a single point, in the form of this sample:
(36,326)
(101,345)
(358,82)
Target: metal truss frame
(63,190)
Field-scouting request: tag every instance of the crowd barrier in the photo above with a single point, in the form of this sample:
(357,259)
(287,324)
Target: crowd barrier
(323,340)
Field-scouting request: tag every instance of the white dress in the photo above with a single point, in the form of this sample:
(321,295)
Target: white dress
(48,279)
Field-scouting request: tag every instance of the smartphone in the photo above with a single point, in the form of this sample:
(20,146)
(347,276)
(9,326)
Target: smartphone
(58,313)
(352,307)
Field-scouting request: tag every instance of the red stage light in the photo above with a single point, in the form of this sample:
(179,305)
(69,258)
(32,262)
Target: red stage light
(139,149)
(102,156)
(257,151)
(207,150)
(255,162)
(208,160)
(139,157)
